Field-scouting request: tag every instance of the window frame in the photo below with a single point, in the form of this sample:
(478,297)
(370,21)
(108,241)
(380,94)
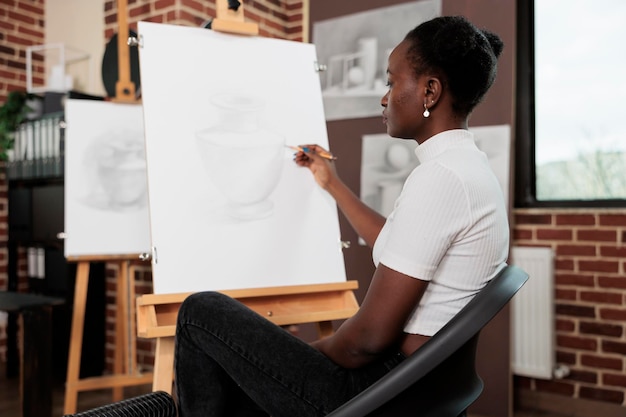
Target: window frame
(525,176)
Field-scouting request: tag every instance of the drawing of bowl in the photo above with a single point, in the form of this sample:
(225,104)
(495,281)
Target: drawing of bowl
(121,170)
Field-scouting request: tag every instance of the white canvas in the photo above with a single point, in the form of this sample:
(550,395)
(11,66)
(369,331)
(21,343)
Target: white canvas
(106,201)
(229,208)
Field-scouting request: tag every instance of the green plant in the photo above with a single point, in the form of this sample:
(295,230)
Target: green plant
(12,113)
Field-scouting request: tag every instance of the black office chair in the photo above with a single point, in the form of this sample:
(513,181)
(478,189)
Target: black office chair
(438,380)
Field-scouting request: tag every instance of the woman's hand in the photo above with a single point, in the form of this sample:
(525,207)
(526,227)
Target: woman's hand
(322,168)
(366,221)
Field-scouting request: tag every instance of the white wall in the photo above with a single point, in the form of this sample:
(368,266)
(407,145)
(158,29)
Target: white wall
(79,24)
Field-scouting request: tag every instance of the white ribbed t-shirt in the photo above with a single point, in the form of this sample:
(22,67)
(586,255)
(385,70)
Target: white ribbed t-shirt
(449,226)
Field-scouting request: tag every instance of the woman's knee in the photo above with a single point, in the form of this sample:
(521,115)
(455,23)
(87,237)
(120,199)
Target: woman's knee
(206,303)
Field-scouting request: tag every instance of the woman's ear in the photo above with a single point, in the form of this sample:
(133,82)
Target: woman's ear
(432,93)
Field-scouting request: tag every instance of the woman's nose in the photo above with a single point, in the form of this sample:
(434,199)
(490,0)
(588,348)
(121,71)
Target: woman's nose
(383,100)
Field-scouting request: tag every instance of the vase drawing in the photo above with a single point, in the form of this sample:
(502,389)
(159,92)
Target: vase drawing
(242,158)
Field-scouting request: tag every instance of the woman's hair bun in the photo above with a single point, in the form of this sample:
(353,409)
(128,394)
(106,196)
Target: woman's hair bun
(494,41)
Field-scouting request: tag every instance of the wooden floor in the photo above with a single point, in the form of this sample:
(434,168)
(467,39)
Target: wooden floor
(10,399)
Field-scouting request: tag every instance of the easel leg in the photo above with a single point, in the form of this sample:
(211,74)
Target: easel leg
(132,333)
(76,338)
(325,328)
(163,365)
(121,363)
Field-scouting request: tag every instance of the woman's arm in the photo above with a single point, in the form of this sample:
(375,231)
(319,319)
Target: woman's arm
(365,221)
(379,323)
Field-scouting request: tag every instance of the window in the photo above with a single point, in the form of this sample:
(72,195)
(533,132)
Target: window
(571,103)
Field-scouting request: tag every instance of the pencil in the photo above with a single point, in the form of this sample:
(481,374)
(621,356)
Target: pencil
(323,154)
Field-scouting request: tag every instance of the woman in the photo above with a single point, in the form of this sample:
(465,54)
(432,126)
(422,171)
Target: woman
(447,236)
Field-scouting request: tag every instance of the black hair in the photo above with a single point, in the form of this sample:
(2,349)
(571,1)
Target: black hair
(463,56)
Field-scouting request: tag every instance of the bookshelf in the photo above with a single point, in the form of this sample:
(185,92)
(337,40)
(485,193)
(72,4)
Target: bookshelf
(38,148)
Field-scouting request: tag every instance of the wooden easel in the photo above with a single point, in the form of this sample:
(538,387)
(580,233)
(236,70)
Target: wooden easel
(125,372)
(232,20)
(125,89)
(286,305)
(319,304)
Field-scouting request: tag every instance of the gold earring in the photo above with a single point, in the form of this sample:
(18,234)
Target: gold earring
(426,112)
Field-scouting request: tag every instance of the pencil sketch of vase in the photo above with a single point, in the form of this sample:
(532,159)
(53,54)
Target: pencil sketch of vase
(121,170)
(242,158)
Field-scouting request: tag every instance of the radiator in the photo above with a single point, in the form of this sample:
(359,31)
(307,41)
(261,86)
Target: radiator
(533,334)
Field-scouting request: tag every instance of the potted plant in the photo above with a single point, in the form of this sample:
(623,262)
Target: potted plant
(12,113)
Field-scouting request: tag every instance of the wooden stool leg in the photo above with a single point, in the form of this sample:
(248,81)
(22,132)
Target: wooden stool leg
(36,362)
(76,338)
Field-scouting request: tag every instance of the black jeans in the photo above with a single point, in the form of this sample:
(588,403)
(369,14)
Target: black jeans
(231,362)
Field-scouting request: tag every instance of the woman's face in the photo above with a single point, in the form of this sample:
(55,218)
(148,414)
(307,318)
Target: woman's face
(404,101)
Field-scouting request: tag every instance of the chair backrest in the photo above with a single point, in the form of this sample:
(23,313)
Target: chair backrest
(439,379)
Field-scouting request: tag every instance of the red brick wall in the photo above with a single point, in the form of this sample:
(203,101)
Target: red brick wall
(21,25)
(276,18)
(590,294)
